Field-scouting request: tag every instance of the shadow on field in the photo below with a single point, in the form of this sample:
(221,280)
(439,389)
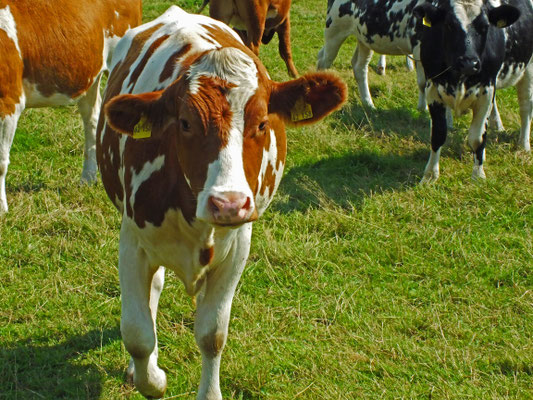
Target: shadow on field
(52,372)
(345,181)
(404,121)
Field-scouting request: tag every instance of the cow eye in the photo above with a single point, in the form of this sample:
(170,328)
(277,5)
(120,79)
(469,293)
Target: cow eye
(185,125)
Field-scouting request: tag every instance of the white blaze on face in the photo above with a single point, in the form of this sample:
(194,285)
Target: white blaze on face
(466,11)
(226,173)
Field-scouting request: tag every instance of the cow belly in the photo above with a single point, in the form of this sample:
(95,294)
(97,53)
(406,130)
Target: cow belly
(34,98)
(509,75)
(272,20)
(384,44)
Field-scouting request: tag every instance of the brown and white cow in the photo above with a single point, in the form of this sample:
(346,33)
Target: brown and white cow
(191,147)
(256,21)
(53,53)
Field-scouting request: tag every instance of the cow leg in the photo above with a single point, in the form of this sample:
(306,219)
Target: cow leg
(8,125)
(334,37)
(284,34)
(254,17)
(495,122)
(409,64)
(360,60)
(89,107)
(421,82)
(140,287)
(437,112)
(382,65)
(477,136)
(213,313)
(220,11)
(524,89)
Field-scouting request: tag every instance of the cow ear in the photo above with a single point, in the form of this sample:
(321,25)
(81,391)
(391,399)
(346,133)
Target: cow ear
(428,14)
(133,114)
(503,16)
(307,99)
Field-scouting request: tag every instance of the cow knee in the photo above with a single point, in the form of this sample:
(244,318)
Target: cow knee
(138,340)
(212,343)
(475,142)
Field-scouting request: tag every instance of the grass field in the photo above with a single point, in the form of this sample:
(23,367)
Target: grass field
(361,284)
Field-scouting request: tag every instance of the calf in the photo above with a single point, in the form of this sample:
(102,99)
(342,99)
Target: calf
(191,150)
(469,48)
(384,26)
(256,21)
(54,54)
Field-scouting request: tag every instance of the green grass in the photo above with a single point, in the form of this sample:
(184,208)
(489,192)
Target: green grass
(360,283)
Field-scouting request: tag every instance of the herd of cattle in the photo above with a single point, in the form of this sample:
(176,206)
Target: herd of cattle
(190,137)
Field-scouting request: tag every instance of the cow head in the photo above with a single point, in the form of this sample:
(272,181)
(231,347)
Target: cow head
(226,113)
(460,28)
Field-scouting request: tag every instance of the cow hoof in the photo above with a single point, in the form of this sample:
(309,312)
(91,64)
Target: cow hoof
(429,177)
(478,173)
(88,178)
(525,147)
(380,70)
(153,387)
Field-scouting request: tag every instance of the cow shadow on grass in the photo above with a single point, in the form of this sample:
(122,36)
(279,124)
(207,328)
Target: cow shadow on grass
(408,122)
(33,371)
(346,180)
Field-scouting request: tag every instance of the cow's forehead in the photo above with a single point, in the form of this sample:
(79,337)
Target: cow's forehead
(468,10)
(232,66)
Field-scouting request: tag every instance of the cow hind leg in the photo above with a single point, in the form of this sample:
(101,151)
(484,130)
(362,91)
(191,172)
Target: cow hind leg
(495,122)
(360,60)
(8,125)
(524,90)
(334,37)
(141,287)
(421,82)
(284,34)
(382,65)
(89,108)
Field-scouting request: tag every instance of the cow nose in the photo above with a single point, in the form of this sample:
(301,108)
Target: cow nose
(230,208)
(469,65)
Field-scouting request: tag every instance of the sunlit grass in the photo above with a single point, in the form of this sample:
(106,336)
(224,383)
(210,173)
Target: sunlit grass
(360,283)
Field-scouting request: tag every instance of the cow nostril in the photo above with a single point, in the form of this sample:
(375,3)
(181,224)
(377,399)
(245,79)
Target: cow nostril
(215,204)
(247,204)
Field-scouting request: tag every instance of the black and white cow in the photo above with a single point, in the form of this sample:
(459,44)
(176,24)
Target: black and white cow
(383,26)
(469,48)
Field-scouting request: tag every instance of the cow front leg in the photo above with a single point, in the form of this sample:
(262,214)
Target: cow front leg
(213,313)
(524,89)
(141,287)
(360,60)
(89,108)
(8,126)
(437,112)
(477,136)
